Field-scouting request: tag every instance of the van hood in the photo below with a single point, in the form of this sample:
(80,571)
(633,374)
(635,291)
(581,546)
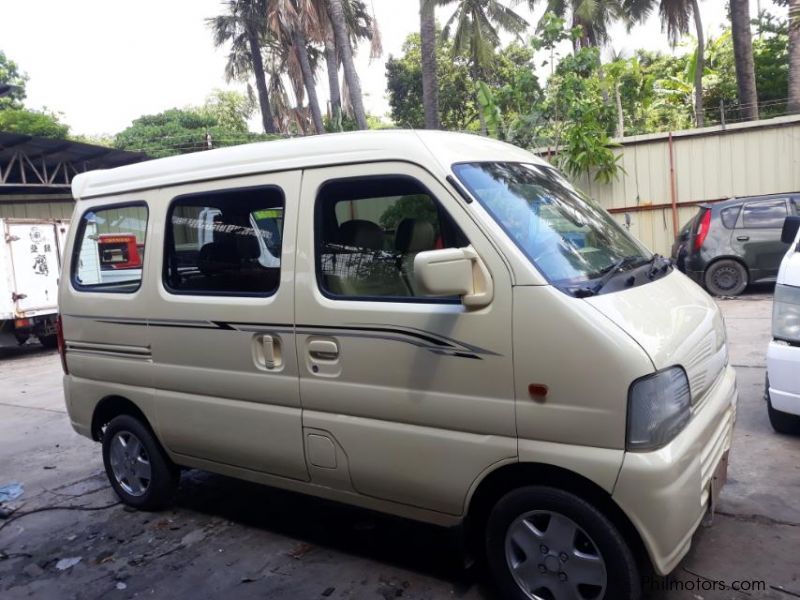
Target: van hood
(676,322)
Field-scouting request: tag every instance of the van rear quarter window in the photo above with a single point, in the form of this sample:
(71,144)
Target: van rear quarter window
(109,249)
(225,242)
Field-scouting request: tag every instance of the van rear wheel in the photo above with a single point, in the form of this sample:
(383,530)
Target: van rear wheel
(726,277)
(137,466)
(546,543)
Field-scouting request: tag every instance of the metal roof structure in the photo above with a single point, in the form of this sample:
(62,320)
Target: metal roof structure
(47,164)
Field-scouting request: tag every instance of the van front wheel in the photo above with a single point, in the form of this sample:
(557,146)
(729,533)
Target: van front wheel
(137,467)
(543,542)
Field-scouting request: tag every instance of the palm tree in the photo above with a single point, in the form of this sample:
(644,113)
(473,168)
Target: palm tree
(675,16)
(794,57)
(336,14)
(594,17)
(294,24)
(743,58)
(477,33)
(430,85)
(243,27)
(360,26)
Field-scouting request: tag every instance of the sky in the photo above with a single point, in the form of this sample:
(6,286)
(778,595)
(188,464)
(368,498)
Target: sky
(103,63)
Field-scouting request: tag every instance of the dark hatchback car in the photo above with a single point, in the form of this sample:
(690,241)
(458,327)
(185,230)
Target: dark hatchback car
(728,245)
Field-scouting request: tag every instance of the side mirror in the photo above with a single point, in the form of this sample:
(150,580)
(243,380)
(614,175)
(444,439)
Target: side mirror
(454,272)
(791,225)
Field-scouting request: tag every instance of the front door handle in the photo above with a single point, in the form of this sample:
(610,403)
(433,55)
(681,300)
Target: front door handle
(742,238)
(323,349)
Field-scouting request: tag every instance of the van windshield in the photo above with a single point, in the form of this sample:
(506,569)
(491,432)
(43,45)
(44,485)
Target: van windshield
(566,235)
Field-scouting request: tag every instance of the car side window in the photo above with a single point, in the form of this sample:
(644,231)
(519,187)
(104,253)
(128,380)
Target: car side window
(729,216)
(225,243)
(368,231)
(765,214)
(109,250)
(795,206)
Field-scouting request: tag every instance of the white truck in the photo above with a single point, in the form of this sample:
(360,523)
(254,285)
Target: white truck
(30,266)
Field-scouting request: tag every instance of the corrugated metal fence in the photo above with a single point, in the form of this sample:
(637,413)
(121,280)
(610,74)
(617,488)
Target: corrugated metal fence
(743,159)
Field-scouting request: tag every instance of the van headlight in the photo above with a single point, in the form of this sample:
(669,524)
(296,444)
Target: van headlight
(659,406)
(786,314)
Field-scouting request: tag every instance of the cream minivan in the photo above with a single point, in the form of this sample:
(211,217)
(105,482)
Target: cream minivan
(428,324)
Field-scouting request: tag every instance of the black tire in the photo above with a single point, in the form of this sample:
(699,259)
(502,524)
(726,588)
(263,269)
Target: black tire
(49,341)
(726,277)
(622,581)
(781,422)
(153,492)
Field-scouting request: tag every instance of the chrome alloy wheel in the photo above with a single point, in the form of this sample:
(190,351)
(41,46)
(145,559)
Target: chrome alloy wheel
(552,558)
(130,463)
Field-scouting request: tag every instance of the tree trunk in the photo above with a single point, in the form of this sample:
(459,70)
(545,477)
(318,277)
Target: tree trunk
(299,41)
(620,115)
(430,84)
(336,14)
(743,57)
(700,66)
(794,57)
(476,77)
(332,62)
(261,83)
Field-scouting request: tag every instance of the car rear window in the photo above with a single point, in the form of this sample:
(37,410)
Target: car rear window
(765,215)
(730,215)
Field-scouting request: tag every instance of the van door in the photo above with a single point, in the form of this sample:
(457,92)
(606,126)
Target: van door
(405,397)
(36,266)
(221,325)
(757,238)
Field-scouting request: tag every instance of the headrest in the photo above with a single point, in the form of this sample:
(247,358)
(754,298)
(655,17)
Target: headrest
(247,247)
(217,258)
(361,234)
(414,235)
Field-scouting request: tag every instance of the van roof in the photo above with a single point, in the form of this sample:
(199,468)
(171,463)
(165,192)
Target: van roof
(433,149)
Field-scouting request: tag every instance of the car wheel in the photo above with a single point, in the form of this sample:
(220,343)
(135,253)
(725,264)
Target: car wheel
(781,422)
(137,466)
(726,277)
(542,542)
(49,341)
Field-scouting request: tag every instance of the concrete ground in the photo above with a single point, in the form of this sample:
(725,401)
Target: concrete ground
(229,539)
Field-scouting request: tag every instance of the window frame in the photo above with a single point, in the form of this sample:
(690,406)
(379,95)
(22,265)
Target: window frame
(746,204)
(103,288)
(318,216)
(169,244)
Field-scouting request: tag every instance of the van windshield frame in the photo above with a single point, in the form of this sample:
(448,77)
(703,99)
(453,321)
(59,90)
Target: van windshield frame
(570,239)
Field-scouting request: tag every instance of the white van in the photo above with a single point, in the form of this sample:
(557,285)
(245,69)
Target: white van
(782,390)
(451,334)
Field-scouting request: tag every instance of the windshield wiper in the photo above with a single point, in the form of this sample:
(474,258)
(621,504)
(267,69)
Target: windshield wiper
(658,263)
(608,274)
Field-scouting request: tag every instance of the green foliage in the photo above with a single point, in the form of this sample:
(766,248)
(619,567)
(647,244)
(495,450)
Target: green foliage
(414,207)
(230,109)
(32,122)
(510,75)
(10,75)
(404,84)
(182,131)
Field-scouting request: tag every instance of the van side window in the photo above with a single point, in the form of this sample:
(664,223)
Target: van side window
(109,249)
(765,215)
(368,231)
(226,242)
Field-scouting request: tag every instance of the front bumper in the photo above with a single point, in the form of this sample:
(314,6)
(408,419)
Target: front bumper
(783,361)
(667,493)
